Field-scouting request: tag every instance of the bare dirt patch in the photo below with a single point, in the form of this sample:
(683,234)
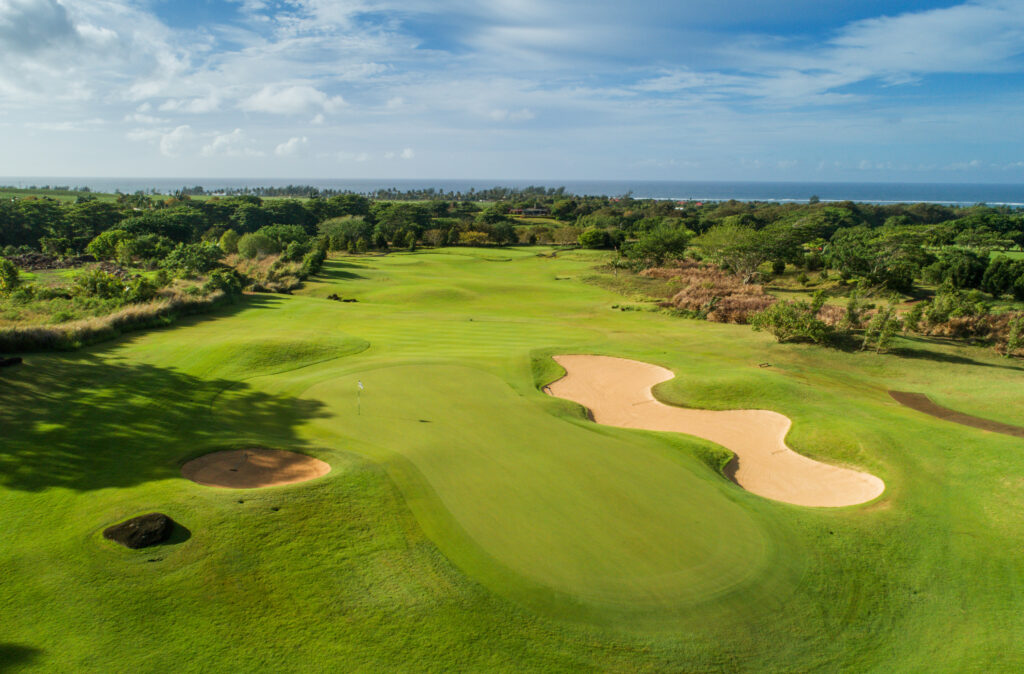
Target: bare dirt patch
(252,468)
(617,391)
(922,403)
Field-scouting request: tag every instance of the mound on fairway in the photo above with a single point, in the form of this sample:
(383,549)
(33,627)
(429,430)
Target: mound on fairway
(251,468)
(617,391)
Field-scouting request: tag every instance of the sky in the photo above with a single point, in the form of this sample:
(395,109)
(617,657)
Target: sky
(792,90)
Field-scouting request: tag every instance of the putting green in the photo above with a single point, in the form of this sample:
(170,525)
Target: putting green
(598,517)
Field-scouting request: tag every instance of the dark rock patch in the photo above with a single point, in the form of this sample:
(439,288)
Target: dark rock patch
(142,531)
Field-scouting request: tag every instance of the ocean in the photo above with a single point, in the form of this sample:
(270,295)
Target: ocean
(797,192)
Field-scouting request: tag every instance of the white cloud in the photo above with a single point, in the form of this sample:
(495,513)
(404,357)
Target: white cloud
(171,143)
(291,146)
(198,105)
(234,144)
(407,153)
(291,100)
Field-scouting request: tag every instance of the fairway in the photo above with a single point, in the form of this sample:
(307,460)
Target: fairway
(469,521)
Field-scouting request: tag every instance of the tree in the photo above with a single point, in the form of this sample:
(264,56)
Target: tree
(961,268)
(410,241)
(9,276)
(738,249)
(659,244)
(881,329)
(1000,275)
(889,257)
(284,234)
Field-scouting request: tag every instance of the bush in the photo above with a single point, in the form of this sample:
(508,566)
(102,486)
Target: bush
(227,280)
(794,321)
(98,283)
(593,237)
(294,251)
(256,245)
(9,276)
(778,267)
(105,246)
(312,263)
(1015,336)
(194,258)
(229,242)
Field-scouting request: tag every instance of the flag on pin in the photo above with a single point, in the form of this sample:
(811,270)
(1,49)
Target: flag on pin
(360,384)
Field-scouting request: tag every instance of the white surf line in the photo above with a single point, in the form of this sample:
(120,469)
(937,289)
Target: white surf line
(617,391)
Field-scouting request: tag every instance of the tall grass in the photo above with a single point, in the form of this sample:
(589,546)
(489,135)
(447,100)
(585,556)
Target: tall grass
(76,334)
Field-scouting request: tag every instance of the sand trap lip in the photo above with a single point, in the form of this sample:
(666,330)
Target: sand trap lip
(253,468)
(922,403)
(617,391)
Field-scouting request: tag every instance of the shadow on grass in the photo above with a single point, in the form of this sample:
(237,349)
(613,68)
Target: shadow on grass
(179,534)
(853,342)
(81,422)
(333,271)
(13,655)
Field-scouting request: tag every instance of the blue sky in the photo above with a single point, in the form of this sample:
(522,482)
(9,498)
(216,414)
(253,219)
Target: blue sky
(514,89)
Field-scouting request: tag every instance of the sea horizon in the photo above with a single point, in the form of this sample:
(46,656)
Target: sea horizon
(995,194)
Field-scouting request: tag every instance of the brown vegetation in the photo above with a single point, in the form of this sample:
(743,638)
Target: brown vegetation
(706,290)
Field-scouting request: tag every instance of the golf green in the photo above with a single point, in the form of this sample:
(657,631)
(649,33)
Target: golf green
(471,522)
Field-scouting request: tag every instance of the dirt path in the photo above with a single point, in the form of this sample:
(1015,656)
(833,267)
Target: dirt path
(251,468)
(923,403)
(617,392)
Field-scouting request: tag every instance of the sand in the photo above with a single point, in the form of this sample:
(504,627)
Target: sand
(251,468)
(617,392)
(922,403)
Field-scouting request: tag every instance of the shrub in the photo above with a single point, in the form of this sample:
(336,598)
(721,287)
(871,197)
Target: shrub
(795,321)
(1015,336)
(294,251)
(256,245)
(473,238)
(778,267)
(9,276)
(227,280)
(883,327)
(105,246)
(312,263)
(98,283)
(593,237)
(194,258)
(229,242)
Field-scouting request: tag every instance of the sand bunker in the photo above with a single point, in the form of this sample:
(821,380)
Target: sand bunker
(251,468)
(923,403)
(617,392)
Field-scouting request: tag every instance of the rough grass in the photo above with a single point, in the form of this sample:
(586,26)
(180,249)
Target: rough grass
(711,293)
(470,522)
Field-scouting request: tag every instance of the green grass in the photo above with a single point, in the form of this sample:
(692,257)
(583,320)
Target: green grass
(472,523)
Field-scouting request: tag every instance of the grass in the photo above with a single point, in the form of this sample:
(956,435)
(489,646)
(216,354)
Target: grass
(471,522)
